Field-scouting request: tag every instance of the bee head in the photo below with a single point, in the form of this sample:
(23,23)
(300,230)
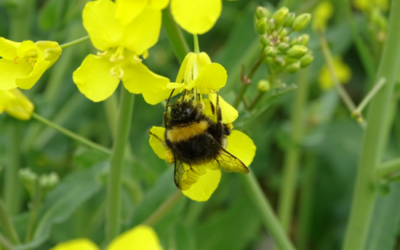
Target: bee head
(183,111)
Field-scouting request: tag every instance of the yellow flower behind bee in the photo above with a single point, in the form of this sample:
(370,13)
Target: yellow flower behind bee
(22,64)
(321,15)
(121,45)
(14,103)
(140,237)
(127,10)
(342,70)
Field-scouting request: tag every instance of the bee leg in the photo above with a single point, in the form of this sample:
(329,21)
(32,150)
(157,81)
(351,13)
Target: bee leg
(220,125)
(166,120)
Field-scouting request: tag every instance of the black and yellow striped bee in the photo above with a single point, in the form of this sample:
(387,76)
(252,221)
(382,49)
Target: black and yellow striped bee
(194,140)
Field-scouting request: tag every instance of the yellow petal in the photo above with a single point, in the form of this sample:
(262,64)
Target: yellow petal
(27,82)
(8,49)
(183,67)
(143,32)
(26,47)
(16,104)
(94,80)
(78,244)
(51,50)
(342,70)
(205,186)
(156,143)
(127,10)
(10,72)
(321,15)
(140,237)
(154,98)
(158,4)
(139,79)
(211,77)
(203,59)
(229,113)
(99,21)
(196,16)
(241,146)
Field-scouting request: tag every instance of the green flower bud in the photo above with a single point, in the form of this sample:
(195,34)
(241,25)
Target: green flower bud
(263,86)
(285,39)
(293,68)
(48,182)
(271,24)
(301,22)
(264,40)
(295,41)
(297,51)
(280,15)
(270,51)
(262,26)
(262,12)
(283,33)
(283,46)
(280,61)
(304,39)
(306,60)
(28,179)
(290,60)
(288,21)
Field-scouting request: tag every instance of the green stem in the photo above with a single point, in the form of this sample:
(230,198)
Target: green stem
(342,92)
(373,142)
(175,36)
(117,156)
(72,134)
(387,168)
(196,44)
(7,225)
(253,104)
(163,209)
(5,243)
(369,97)
(74,42)
(292,155)
(35,205)
(268,217)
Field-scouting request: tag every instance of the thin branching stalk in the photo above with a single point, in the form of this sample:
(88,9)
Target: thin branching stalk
(374,139)
(387,168)
(7,225)
(163,208)
(74,42)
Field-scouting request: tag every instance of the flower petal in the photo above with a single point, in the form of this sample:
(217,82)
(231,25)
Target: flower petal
(99,21)
(205,186)
(158,4)
(8,49)
(229,113)
(140,237)
(182,69)
(139,79)
(94,80)
(196,16)
(27,82)
(154,98)
(78,244)
(211,77)
(241,146)
(155,143)
(15,104)
(10,72)
(51,50)
(127,10)
(143,32)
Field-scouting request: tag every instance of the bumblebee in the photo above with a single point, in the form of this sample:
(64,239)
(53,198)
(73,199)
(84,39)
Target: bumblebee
(193,140)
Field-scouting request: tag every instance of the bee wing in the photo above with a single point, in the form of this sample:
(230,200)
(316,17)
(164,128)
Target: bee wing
(186,175)
(229,162)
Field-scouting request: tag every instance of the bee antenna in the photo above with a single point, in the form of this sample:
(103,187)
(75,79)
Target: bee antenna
(183,98)
(169,99)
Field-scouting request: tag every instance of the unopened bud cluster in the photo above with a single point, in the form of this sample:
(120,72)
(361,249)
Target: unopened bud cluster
(38,185)
(280,50)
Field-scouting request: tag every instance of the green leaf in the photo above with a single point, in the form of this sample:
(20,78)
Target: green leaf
(62,202)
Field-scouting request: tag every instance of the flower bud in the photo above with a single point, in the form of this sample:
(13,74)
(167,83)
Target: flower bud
(295,41)
(283,46)
(263,86)
(262,12)
(293,68)
(301,22)
(264,40)
(288,21)
(283,33)
(271,24)
(306,60)
(280,15)
(297,51)
(270,51)
(262,26)
(48,182)
(28,179)
(285,39)
(303,39)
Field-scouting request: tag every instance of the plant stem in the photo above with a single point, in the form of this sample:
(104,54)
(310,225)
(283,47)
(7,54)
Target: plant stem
(292,155)
(196,44)
(256,100)
(373,142)
(175,36)
(369,97)
(72,135)
(163,209)
(7,225)
(387,168)
(117,156)
(342,92)
(268,217)
(74,42)
(5,243)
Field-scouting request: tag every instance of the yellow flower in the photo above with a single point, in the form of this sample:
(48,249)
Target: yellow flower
(342,70)
(196,16)
(321,15)
(368,5)
(140,237)
(22,64)
(127,10)
(99,76)
(15,104)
